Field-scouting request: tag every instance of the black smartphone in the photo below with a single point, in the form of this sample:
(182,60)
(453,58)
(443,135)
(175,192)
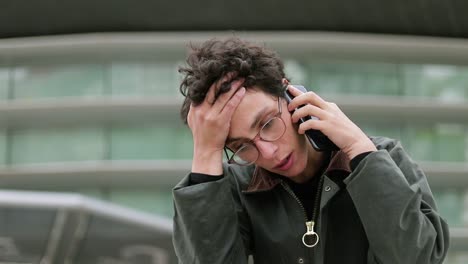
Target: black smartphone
(319,141)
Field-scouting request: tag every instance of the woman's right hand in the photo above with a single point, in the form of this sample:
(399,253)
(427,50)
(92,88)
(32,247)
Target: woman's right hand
(210,123)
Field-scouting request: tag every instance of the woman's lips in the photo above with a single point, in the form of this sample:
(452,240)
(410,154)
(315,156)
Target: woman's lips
(286,163)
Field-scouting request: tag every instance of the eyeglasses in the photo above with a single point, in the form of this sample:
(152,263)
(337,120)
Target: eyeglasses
(248,153)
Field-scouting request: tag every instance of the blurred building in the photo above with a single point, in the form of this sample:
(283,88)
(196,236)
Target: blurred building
(97,115)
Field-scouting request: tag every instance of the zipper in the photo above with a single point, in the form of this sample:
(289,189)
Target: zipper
(310,233)
(288,190)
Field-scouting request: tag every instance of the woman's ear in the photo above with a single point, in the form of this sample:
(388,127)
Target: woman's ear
(285,81)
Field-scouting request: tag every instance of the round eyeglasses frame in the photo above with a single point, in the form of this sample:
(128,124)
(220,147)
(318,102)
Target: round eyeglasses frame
(251,143)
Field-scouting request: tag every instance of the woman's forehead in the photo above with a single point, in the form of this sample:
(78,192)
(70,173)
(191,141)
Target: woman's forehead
(251,110)
(253,103)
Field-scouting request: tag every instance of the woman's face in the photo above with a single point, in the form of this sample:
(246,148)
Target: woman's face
(287,155)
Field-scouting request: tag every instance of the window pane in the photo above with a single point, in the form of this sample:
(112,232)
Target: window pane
(466,143)
(4,83)
(460,257)
(184,146)
(450,142)
(60,144)
(326,78)
(163,141)
(3,146)
(465,208)
(442,81)
(391,131)
(354,78)
(58,81)
(450,204)
(296,72)
(430,142)
(144,78)
(419,141)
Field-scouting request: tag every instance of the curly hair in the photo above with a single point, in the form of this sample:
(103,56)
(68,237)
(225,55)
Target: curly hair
(212,60)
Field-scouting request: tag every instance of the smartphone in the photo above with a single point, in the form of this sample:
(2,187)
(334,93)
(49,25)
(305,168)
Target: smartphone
(319,141)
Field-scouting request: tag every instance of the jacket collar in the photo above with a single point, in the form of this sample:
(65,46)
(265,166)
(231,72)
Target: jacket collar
(263,180)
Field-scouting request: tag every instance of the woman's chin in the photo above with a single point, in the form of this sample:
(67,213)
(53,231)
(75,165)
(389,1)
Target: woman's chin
(297,170)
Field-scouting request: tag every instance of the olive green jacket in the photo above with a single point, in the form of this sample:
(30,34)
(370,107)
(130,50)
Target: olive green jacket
(251,212)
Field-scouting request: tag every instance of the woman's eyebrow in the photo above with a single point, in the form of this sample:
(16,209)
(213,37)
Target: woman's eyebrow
(258,118)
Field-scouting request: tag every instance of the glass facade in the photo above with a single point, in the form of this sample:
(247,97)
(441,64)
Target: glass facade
(143,79)
(56,144)
(3,147)
(170,140)
(353,78)
(45,81)
(146,142)
(443,82)
(4,82)
(446,82)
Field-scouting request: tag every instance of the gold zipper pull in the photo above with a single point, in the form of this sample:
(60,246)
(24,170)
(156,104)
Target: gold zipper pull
(312,237)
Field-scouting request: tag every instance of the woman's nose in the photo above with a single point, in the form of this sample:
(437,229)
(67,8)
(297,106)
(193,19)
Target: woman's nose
(266,149)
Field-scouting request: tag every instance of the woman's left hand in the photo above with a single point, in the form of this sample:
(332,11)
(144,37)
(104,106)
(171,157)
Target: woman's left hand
(331,121)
